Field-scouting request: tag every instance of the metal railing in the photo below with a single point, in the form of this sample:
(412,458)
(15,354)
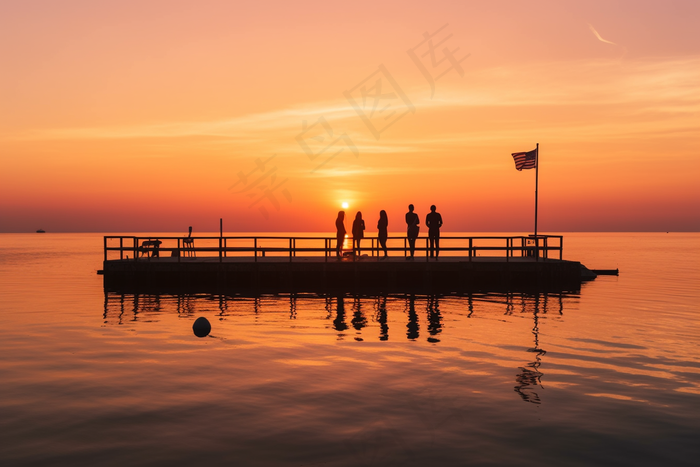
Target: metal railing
(141,248)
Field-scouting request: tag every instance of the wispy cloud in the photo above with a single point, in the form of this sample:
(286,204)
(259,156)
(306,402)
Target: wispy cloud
(605,41)
(664,91)
(245,127)
(590,26)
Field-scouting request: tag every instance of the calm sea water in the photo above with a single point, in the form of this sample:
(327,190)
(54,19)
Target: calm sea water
(607,376)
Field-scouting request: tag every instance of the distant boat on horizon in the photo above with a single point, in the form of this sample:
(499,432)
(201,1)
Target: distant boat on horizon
(41,231)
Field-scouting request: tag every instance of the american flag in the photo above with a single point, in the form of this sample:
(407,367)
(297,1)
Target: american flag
(525,160)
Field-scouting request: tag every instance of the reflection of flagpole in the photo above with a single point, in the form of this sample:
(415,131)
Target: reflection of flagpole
(537,172)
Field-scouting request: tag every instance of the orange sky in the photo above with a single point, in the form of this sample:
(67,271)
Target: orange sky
(140,116)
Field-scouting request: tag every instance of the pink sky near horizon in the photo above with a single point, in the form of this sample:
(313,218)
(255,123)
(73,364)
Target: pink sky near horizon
(137,116)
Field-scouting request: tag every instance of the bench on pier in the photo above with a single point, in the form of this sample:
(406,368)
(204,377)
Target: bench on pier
(150,248)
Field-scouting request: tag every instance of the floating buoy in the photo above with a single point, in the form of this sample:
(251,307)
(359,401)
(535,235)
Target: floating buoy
(201,327)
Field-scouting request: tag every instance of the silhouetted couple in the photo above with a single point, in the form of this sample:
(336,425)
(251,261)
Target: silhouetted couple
(433,220)
(358,232)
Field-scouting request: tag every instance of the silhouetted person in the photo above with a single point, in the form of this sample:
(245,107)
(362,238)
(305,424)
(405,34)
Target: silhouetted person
(412,230)
(383,228)
(434,221)
(358,232)
(340,233)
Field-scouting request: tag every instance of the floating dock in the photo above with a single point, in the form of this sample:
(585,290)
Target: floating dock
(309,264)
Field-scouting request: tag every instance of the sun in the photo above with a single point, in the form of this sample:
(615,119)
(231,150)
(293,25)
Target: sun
(345,205)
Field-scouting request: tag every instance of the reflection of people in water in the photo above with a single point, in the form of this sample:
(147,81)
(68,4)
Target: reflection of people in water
(358,318)
(358,233)
(383,231)
(382,319)
(412,230)
(434,221)
(434,318)
(339,321)
(340,233)
(412,326)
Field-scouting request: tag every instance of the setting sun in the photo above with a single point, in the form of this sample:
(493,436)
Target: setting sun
(113,128)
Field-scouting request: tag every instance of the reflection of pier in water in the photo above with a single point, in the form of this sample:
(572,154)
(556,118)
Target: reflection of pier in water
(348,314)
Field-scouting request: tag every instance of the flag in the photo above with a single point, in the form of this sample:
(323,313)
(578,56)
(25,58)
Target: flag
(525,160)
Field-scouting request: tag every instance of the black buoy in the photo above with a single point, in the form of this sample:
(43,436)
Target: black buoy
(201,327)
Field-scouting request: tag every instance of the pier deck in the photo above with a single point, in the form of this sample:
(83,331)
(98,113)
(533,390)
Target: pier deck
(523,265)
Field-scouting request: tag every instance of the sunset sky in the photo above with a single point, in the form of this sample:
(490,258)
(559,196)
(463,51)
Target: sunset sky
(157,115)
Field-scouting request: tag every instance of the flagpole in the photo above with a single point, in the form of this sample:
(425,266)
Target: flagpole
(537,173)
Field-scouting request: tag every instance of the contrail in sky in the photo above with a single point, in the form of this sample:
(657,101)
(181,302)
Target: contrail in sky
(598,35)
